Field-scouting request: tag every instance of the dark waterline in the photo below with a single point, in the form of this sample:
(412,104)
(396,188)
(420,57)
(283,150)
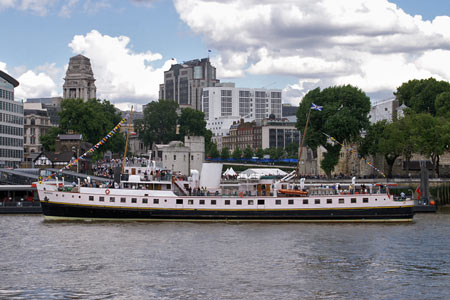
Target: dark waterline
(82,260)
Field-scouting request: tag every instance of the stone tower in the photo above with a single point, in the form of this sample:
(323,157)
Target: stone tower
(79,80)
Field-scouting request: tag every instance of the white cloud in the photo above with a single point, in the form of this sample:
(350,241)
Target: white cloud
(67,8)
(7,3)
(374,45)
(122,75)
(35,85)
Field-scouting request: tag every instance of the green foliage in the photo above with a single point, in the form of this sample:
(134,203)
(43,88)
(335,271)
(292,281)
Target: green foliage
(48,140)
(369,144)
(192,122)
(421,95)
(259,153)
(292,150)
(93,119)
(442,105)
(213,152)
(159,122)
(275,153)
(431,136)
(237,153)
(225,153)
(248,152)
(344,115)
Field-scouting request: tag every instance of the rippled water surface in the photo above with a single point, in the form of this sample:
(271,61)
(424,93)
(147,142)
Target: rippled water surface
(82,260)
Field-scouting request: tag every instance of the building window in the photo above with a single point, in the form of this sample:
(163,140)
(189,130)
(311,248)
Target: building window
(213,202)
(227,202)
(250,202)
(190,202)
(144,200)
(353,200)
(291,201)
(277,202)
(329,201)
(201,202)
(91,198)
(155,201)
(133,200)
(365,200)
(238,202)
(260,202)
(305,201)
(316,201)
(174,157)
(123,200)
(341,200)
(112,199)
(179,201)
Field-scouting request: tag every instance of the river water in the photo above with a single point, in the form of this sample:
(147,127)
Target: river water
(83,260)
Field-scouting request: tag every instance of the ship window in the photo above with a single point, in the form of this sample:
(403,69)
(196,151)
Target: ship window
(227,202)
(329,201)
(190,202)
(112,199)
(278,202)
(179,201)
(144,200)
(201,202)
(133,200)
(250,202)
(291,201)
(316,201)
(155,201)
(238,202)
(123,200)
(305,201)
(365,200)
(260,202)
(353,200)
(91,198)
(101,199)
(213,202)
(341,200)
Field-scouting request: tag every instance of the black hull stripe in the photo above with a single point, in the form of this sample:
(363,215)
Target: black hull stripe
(90,212)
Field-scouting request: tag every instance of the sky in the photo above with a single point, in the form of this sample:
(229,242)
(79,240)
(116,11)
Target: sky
(293,45)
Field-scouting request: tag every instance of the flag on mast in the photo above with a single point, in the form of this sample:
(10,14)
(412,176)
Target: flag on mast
(316,107)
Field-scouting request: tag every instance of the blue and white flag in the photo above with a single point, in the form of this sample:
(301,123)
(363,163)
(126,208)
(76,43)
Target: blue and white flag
(316,107)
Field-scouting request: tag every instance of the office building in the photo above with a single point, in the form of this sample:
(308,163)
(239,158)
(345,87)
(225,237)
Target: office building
(11,123)
(184,82)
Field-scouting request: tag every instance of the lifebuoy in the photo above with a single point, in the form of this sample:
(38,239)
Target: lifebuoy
(241,194)
(107,191)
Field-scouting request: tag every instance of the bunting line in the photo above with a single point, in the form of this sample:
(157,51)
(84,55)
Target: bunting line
(92,150)
(354,151)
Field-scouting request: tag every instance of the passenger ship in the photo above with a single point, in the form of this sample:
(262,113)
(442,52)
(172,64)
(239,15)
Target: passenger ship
(168,200)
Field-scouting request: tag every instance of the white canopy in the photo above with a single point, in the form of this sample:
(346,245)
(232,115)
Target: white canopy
(229,172)
(263,172)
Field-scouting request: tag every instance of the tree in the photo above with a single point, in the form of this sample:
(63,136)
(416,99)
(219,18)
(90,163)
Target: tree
(225,153)
(431,136)
(159,122)
(213,152)
(192,122)
(259,153)
(237,153)
(421,95)
(93,119)
(344,115)
(48,140)
(248,152)
(275,153)
(442,105)
(292,150)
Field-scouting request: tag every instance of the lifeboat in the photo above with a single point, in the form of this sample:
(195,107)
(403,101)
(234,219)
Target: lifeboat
(293,192)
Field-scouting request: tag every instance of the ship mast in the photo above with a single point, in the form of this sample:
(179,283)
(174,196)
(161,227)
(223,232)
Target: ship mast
(297,171)
(126,142)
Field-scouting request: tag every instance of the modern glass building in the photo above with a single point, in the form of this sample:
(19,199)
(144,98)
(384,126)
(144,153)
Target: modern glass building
(11,123)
